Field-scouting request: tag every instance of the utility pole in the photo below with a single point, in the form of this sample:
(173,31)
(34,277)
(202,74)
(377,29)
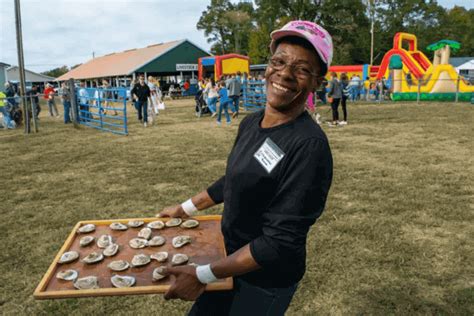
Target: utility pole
(371,13)
(21,67)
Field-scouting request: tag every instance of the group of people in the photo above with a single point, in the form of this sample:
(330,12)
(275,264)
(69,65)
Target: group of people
(226,92)
(10,103)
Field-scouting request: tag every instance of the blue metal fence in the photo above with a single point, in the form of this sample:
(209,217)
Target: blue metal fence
(103,109)
(253,94)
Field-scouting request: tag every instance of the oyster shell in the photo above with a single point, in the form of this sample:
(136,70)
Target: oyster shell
(156,225)
(145,233)
(179,259)
(104,241)
(118,226)
(180,241)
(93,257)
(138,243)
(111,250)
(118,265)
(67,275)
(190,223)
(158,273)
(86,241)
(161,256)
(156,241)
(173,222)
(86,283)
(122,281)
(135,224)
(88,228)
(69,256)
(140,260)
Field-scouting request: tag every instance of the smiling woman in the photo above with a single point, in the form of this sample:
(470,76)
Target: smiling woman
(275,187)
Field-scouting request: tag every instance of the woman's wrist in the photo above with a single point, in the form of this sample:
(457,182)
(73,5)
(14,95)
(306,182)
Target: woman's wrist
(205,274)
(189,208)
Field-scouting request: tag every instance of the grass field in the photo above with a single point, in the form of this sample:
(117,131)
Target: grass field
(396,236)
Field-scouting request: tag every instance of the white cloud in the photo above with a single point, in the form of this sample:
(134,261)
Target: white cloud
(66,32)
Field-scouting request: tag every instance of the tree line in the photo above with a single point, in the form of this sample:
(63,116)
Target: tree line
(245,27)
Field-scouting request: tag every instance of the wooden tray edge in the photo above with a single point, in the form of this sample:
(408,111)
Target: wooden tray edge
(157,289)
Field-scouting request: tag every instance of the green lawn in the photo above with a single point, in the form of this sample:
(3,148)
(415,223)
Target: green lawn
(396,236)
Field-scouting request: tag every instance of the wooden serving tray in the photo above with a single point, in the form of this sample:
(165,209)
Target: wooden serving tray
(207,246)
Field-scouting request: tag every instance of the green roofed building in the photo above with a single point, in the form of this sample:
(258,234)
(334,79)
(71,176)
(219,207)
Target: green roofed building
(169,62)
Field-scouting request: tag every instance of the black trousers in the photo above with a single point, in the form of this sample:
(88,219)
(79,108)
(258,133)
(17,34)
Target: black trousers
(334,106)
(344,107)
(244,299)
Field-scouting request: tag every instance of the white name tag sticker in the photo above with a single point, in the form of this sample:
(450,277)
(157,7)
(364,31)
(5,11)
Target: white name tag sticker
(269,155)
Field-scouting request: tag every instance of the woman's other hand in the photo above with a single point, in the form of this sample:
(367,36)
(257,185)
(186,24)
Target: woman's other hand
(173,211)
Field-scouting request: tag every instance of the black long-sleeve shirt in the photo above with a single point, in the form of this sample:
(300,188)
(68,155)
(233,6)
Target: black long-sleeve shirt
(142,92)
(275,187)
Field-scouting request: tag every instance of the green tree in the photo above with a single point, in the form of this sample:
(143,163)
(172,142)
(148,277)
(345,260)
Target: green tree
(213,23)
(56,72)
(458,24)
(246,28)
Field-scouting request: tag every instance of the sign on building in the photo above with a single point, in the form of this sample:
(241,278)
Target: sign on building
(186,67)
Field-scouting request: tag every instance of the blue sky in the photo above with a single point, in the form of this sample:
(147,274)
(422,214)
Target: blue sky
(66,32)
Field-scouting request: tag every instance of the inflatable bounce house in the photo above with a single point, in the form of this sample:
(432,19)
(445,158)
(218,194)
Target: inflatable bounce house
(218,66)
(411,71)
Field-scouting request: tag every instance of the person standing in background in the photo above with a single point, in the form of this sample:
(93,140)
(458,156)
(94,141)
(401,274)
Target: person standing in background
(345,95)
(36,104)
(141,93)
(84,110)
(335,92)
(234,86)
(49,97)
(224,103)
(153,104)
(66,97)
(212,95)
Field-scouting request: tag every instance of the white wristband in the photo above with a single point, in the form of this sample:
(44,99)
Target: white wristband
(189,207)
(205,275)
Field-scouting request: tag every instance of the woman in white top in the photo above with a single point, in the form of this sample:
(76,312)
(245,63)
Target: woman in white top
(153,108)
(212,95)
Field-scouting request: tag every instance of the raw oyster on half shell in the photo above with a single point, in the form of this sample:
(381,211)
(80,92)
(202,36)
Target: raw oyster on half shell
(122,281)
(156,241)
(104,241)
(87,283)
(111,250)
(161,256)
(174,222)
(145,233)
(156,225)
(180,241)
(86,241)
(88,228)
(118,265)
(67,275)
(138,243)
(158,273)
(140,260)
(69,256)
(179,259)
(93,257)
(135,224)
(118,226)
(190,223)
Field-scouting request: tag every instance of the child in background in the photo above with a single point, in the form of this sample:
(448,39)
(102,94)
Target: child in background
(224,103)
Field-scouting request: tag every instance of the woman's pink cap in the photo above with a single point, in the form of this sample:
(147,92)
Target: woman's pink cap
(312,32)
